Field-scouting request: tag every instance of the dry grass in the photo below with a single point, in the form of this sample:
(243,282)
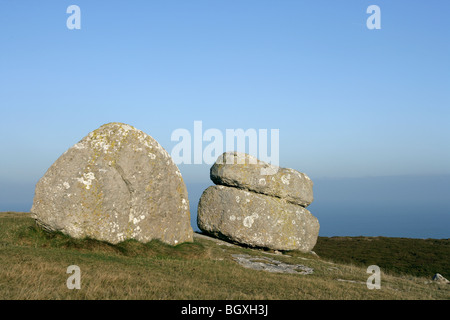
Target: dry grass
(33,266)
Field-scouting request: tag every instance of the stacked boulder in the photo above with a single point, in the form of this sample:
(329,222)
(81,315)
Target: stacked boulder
(117,183)
(259,205)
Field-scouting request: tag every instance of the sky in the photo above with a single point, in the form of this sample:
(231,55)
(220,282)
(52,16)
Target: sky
(365,113)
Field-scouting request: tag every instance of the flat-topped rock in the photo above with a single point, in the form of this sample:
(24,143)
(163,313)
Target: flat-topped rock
(244,171)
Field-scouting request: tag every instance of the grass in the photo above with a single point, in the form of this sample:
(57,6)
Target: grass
(417,257)
(33,265)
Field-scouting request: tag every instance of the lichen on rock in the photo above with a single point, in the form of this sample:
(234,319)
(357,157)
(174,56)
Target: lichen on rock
(118,184)
(258,210)
(235,169)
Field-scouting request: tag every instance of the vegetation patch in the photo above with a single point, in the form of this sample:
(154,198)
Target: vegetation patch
(34,266)
(416,257)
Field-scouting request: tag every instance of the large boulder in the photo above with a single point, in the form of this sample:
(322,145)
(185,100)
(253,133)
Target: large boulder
(256,220)
(117,183)
(244,171)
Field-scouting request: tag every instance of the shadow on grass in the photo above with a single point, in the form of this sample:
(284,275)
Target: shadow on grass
(37,237)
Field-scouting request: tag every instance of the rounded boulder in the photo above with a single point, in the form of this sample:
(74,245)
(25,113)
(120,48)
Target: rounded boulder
(117,183)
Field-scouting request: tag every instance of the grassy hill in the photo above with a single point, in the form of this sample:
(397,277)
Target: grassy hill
(33,265)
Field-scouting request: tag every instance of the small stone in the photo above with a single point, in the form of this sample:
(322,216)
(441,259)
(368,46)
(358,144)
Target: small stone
(270,265)
(439,278)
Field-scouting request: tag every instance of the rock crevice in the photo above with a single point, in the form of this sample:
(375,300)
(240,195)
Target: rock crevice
(125,180)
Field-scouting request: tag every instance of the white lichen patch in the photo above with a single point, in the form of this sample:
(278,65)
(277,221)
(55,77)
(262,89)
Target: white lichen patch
(87,179)
(285,179)
(238,199)
(233,217)
(133,217)
(184,204)
(101,144)
(163,151)
(249,220)
(66,185)
(127,127)
(152,156)
(120,237)
(269,170)
(79,146)
(113,226)
(298,174)
(262,182)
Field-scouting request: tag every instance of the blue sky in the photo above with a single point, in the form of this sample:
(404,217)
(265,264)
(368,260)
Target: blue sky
(349,102)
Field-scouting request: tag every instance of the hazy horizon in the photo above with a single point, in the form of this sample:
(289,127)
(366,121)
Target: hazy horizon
(394,206)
